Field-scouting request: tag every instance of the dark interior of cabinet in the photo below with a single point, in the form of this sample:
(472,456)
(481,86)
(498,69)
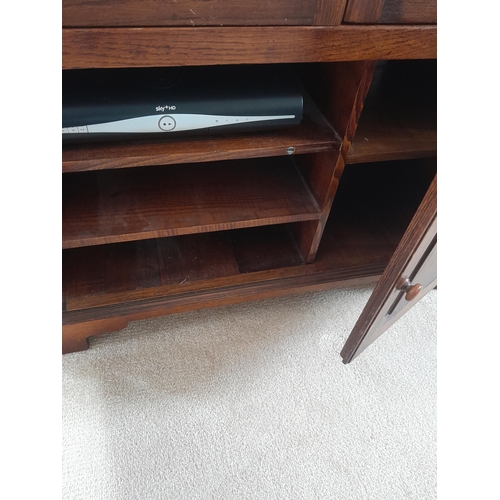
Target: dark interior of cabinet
(399,115)
(373,206)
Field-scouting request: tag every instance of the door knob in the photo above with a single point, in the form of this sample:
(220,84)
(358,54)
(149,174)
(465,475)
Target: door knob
(411,290)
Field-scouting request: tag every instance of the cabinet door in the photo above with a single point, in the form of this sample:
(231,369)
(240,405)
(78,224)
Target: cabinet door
(112,13)
(391,11)
(410,274)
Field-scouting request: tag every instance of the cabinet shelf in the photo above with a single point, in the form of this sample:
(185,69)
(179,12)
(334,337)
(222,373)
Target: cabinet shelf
(117,273)
(112,206)
(158,227)
(313,135)
(396,136)
(398,120)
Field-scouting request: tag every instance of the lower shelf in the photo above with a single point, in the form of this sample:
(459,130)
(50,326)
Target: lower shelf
(106,286)
(119,273)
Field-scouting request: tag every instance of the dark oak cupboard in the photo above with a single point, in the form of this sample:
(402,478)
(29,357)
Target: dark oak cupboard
(158,227)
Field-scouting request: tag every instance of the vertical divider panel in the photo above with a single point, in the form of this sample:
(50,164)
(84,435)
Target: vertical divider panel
(339,90)
(322,173)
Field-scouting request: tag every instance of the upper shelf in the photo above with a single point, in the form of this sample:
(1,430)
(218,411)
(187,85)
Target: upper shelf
(395,136)
(192,46)
(313,135)
(398,120)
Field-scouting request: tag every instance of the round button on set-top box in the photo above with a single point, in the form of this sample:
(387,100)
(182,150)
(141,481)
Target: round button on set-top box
(166,123)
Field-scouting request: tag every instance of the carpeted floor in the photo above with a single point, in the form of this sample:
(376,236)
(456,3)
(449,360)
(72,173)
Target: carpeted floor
(253,402)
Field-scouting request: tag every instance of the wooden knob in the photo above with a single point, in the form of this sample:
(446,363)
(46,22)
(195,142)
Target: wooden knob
(412,291)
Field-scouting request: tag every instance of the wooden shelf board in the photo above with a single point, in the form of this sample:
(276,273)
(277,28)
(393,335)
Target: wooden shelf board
(313,135)
(148,47)
(118,273)
(130,204)
(396,136)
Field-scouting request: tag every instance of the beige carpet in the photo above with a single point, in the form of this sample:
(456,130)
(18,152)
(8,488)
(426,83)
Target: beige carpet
(253,402)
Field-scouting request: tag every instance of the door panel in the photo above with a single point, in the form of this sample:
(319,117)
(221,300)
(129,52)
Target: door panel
(141,13)
(391,12)
(410,274)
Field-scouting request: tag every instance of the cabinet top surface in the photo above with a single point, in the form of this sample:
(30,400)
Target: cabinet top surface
(150,47)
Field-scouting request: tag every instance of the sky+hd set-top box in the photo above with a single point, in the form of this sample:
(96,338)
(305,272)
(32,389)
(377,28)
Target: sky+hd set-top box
(109,104)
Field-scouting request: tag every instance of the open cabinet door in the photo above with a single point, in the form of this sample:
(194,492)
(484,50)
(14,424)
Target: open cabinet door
(410,274)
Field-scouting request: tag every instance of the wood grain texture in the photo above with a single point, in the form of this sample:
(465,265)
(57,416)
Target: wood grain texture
(363,11)
(322,172)
(334,88)
(310,136)
(194,258)
(148,47)
(185,264)
(391,12)
(409,12)
(75,336)
(265,249)
(339,89)
(329,13)
(77,321)
(92,13)
(131,204)
(382,138)
(107,269)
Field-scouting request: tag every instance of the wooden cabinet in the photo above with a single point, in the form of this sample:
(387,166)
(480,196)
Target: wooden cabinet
(158,227)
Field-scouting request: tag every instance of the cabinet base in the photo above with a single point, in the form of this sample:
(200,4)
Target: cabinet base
(75,337)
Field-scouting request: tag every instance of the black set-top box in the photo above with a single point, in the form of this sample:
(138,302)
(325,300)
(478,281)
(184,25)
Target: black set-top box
(151,102)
